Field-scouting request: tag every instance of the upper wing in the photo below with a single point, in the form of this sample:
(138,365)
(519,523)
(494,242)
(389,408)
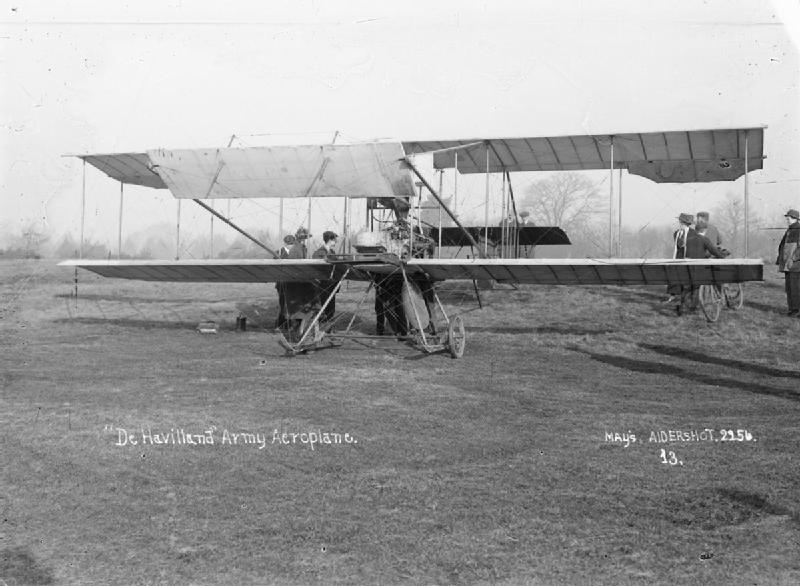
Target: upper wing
(685,156)
(532,271)
(594,271)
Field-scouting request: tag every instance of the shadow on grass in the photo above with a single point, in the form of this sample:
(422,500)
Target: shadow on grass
(565,330)
(147,324)
(130,299)
(766,308)
(18,566)
(758,504)
(711,509)
(648,367)
(700,357)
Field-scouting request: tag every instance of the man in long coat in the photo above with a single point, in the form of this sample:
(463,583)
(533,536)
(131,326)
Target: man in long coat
(301,296)
(288,241)
(789,261)
(326,287)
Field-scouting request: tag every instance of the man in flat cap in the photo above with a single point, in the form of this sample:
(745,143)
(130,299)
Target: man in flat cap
(690,244)
(707,229)
(789,261)
(326,288)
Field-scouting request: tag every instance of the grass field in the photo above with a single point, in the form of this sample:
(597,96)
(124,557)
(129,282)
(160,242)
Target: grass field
(501,467)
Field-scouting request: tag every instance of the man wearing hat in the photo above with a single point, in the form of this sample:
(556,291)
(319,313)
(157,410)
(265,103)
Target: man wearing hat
(300,296)
(708,230)
(288,241)
(326,288)
(789,261)
(690,244)
(299,249)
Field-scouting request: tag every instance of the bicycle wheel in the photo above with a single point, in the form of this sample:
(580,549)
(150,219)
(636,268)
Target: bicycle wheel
(734,295)
(710,301)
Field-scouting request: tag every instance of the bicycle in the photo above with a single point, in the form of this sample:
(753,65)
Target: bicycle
(712,297)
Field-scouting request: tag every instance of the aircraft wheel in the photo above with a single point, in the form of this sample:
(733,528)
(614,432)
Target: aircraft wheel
(710,301)
(734,295)
(456,337)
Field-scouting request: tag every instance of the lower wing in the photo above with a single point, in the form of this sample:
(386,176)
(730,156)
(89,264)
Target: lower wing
(527,271)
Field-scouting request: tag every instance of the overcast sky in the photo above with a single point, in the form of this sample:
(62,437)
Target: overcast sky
(100,77)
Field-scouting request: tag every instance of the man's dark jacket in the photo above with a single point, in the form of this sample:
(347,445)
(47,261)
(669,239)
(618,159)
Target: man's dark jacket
(789,250)
(696,246)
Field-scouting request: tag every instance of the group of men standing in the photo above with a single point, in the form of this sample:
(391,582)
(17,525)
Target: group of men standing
(304,296)
(693,240)
(295,296)
(702,240)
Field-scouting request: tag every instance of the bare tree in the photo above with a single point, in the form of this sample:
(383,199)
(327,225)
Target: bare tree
(28,244)
(728,217)
(568,200)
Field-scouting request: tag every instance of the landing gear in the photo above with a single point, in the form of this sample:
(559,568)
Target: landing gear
(418,314)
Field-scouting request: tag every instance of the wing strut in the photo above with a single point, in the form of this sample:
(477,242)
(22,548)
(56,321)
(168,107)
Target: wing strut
(444,206)
(237,228)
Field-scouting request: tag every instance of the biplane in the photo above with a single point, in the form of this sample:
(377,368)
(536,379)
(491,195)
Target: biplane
(395,261)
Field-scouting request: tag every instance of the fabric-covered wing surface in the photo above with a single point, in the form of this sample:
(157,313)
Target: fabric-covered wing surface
(527,235)
(211,271)
(363,170)
(528,271)
(130,168)
(663,157)
(594,272)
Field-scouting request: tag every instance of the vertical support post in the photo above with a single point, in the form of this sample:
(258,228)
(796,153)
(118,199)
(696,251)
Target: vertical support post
(408,218)
(439,247)
(503,216)
(83,210)
(611,205)
(513,209)
(119,234)
(419,210)
(211,255)
(178,234)
(344,226)
(308,227)
(280,222)
(486,208)
(350,223)
(455,185)
(619,221)
(229,209)
(746,196)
